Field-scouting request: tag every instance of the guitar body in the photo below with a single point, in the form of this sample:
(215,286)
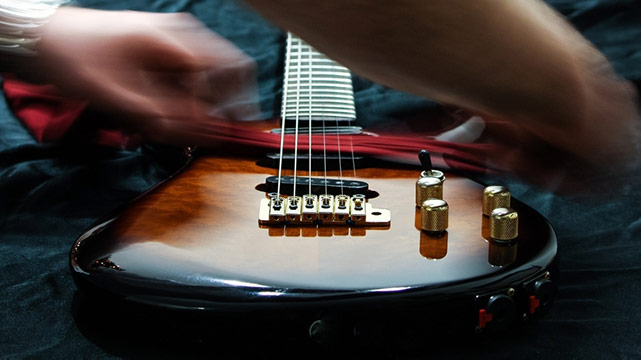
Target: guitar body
(202,242)
(194,243)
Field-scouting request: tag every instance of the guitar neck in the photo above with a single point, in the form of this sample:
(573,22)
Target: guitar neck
(315,86)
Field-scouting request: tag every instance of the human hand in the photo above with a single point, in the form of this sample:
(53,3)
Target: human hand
(597,156)
(165,76)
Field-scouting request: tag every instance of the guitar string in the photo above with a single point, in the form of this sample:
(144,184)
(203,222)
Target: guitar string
(340,157)
(323,118)
(290,45)
(351,142)
(309,80)
(284,113)
(351,146)
(340,160)
(297,113)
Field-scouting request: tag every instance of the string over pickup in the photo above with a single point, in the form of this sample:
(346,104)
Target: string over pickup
(320,162)
(325,209)
(319,186)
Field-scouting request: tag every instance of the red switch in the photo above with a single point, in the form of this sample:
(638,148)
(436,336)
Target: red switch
(484,318)
(534,304)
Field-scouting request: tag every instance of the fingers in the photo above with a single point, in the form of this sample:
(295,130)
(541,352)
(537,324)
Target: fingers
(164,56)
(197,62)
(163,75)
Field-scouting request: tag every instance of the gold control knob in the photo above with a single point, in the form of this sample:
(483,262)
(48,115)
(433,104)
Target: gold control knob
(495,196)
(434,215)
(428,188)
(504,224)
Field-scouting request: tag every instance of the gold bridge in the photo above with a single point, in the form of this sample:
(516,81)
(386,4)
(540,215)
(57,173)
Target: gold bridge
(312,210)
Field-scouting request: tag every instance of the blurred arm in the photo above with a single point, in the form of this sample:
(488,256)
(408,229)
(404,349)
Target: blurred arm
(513,59)
(166,76)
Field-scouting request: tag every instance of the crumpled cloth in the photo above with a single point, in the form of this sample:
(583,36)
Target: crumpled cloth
(50,116)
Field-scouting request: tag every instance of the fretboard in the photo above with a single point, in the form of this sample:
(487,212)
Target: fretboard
(315,86)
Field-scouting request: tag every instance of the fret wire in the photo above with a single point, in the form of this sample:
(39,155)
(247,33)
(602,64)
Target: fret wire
(324,73)
(326,86)
(317,112)
(336,100)
(339,103)
(328,114)
(331,104)
(325,94)
(329,86)
(320,115)
(321,119)
(321,60)
(345,115)
(324,89)
(329,94)
(318,122)
(333,107)
(326,81)
(331,69)
(325,110)
(319,106)
(316,75)
(329,81)
(331,130)
(320,65)
(324,118)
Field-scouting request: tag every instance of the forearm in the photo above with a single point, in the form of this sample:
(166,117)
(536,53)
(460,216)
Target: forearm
(22,24)
(515,59)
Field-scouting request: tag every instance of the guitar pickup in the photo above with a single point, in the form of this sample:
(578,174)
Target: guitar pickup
(321,210)
(318,185)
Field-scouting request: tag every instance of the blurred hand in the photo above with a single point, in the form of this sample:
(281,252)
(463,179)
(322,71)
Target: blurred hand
(566,113)
(165,76)
(606,148)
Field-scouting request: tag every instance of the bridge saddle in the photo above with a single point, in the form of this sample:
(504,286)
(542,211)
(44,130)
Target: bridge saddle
(322,210)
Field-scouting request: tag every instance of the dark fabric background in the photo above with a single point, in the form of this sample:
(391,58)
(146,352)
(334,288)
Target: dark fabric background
(49,194)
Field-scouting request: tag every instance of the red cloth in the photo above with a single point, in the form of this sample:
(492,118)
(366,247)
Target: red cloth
(50,116)
(42,110)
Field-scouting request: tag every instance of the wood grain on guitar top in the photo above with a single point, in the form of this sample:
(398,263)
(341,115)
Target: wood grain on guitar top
(205,221)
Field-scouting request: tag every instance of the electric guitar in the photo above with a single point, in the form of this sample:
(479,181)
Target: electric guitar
(226,234)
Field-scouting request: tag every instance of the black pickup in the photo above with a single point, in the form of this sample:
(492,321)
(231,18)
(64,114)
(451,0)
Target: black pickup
(349,186)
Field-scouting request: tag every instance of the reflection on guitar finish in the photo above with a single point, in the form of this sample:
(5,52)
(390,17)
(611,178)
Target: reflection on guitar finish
(194,243)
